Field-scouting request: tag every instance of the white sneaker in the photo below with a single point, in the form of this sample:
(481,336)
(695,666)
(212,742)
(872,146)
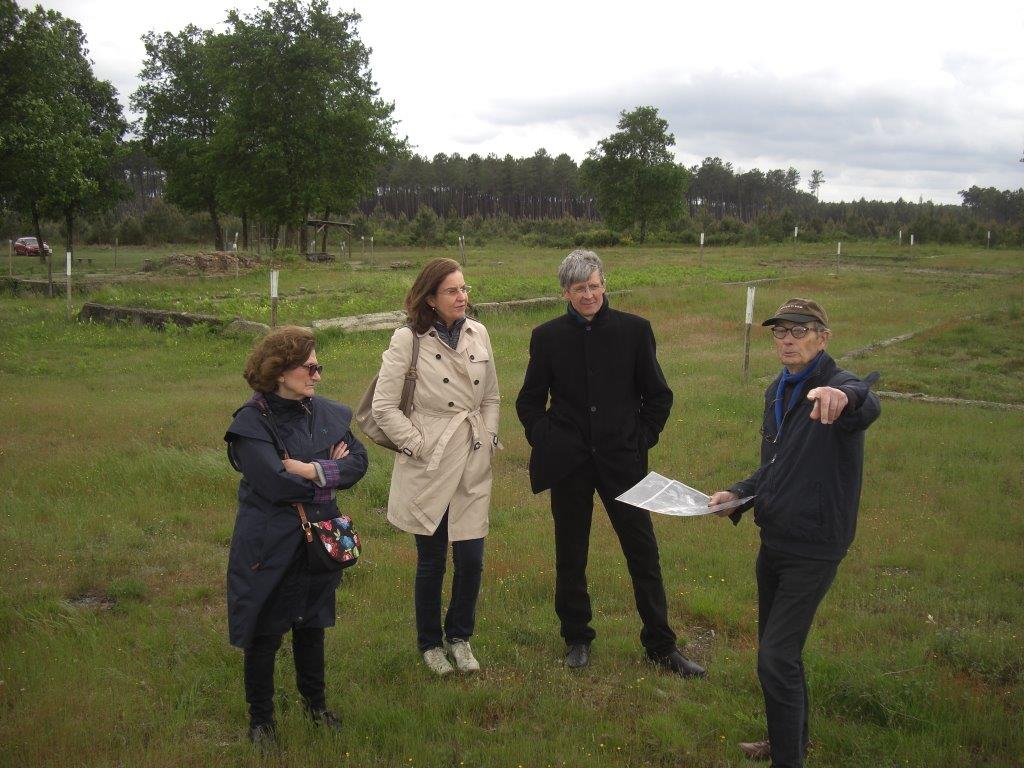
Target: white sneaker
(465,661)
(437,661)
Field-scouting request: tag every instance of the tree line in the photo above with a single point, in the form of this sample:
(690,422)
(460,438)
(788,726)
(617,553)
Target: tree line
(276,120)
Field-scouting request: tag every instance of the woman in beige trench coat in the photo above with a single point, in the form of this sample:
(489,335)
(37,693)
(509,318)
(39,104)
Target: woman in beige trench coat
(441,481)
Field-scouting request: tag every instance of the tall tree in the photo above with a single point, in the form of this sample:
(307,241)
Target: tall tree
(60,128)
(182,96)
(633,175)
(306,129)
(815,182)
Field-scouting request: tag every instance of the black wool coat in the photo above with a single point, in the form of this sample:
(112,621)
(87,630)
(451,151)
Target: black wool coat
(269,586)
(608,397)
(807,489)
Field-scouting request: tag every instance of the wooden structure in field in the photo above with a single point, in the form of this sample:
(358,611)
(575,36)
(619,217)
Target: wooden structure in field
(322,229)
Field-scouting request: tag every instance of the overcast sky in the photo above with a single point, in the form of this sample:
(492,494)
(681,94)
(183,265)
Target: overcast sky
(888,99)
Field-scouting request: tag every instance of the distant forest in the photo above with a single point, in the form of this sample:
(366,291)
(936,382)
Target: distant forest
(538,200)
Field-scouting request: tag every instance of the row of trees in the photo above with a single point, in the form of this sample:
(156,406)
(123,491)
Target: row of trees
(277,119)
(630,172)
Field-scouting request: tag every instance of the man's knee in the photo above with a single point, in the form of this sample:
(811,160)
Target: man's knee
(776,666)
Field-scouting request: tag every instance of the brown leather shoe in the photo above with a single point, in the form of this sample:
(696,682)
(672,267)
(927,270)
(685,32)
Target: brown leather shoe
(757,750)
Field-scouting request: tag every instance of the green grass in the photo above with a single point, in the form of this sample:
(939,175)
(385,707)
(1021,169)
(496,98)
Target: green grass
(118,505)
(978,359)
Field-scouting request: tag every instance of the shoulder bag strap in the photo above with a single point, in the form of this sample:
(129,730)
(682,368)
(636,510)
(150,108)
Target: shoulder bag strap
(303,520)
(409,388)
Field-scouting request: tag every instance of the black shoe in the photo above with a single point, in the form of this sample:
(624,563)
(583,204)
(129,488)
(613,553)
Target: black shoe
(577,655)
(263,736)
(324,718)
(675,662)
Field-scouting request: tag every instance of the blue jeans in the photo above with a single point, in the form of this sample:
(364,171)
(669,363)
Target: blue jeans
(432,557)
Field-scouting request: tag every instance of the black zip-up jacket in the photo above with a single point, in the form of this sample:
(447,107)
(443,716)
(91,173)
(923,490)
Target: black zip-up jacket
(807,489)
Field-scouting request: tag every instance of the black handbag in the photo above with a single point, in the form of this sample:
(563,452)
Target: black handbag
(330,544)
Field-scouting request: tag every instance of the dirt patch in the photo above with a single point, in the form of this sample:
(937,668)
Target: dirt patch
(699,642)
(94,601)
(211,263)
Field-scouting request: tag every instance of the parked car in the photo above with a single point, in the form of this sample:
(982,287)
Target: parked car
(29,246)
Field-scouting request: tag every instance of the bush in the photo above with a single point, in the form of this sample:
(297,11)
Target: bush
(130,232)
(426,227)
(164,223)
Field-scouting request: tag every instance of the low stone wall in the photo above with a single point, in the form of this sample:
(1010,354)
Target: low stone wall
(154,318)
(37,286)
(374,321)
(388,321)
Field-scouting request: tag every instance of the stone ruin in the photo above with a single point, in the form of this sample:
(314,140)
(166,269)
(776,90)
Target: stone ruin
(211,263)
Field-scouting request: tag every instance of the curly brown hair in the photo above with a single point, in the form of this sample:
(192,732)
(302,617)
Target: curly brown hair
(418,313)
(280,350)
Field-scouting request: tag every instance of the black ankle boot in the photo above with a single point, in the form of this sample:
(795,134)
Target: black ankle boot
(324,718)
(263,735)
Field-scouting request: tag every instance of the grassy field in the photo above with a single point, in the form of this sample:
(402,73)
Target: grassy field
(118,505)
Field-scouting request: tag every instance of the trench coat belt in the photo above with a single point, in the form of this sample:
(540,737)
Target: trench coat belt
(476,424)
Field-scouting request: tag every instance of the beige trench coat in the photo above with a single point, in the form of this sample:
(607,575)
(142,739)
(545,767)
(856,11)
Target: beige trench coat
(450,437)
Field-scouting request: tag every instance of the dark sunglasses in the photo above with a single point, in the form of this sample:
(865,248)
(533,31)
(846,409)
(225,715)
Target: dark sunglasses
(311,368)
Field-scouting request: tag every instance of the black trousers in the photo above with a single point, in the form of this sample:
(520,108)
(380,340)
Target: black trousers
(572,506)
(431,560)
(789,590)
(308,650)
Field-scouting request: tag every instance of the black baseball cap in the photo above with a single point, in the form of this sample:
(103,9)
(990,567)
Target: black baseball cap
(799,311)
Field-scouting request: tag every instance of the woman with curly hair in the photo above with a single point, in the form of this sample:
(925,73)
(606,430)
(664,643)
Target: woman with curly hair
(291,446)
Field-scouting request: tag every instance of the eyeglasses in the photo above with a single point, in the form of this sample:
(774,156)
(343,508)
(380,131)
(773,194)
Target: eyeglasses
(797,331)
(312,368)
(451,292)
(583,290)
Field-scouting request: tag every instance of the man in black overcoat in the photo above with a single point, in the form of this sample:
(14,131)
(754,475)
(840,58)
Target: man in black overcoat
(608,403)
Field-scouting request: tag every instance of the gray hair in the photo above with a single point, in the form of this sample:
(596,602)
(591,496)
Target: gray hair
(578,266)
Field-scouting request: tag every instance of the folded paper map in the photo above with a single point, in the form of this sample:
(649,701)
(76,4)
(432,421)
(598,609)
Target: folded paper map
(665,496)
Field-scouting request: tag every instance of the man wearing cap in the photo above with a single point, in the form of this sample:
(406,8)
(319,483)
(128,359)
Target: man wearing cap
(608,403)
(806,493)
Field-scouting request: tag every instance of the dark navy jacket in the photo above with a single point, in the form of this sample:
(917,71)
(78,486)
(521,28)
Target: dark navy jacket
(808,485)
(609,398)
(269,587)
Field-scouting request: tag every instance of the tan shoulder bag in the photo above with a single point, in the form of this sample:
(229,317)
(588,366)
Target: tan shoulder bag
(364,411)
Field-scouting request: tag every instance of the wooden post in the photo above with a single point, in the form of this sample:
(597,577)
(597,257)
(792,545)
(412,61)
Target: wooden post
(796,231)
(901,239)
(371,249)
(115,253)
(988,239)
(911,239)
(273,297)
(701,249)
(462,250)
(67,282)
(746,333)
(10,258)
(362,243)
(839,251)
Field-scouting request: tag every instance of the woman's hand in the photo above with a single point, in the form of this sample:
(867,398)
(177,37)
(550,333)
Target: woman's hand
(339,452)
(301,468)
